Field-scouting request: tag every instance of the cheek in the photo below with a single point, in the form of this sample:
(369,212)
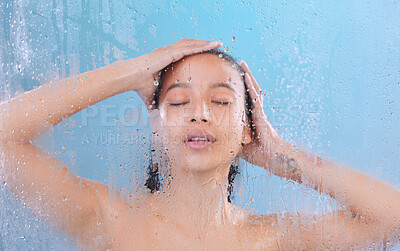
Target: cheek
(171,121)
(171,117)
(227,117)
(230,127)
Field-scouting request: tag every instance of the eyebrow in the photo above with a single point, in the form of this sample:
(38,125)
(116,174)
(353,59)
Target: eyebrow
(214,85)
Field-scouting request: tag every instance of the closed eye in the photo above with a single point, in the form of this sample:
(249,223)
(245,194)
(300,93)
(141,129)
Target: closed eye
(179,104)
(217,102)
(221,102)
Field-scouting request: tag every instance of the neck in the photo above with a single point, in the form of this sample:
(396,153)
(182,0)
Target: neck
(197,200)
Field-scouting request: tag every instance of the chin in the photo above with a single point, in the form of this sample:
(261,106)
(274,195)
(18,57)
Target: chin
(200,163)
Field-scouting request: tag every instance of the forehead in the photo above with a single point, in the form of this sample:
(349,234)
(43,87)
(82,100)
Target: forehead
(204,70)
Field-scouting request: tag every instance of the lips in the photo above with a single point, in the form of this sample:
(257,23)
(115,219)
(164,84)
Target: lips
(199,139)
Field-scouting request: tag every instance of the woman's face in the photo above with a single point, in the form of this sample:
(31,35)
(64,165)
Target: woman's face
(203,94)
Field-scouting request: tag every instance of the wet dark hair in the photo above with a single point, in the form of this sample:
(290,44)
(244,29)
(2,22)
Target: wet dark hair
(153,181)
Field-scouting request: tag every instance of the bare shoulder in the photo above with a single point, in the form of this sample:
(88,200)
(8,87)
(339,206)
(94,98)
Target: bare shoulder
(266,224)
(310,231)
(260,229)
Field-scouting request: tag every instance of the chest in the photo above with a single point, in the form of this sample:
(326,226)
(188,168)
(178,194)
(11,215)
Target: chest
(150,234)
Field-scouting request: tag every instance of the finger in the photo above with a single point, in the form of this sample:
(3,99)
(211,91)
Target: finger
(244,65)
(177,51)
(193,47)
(253,80)
(246,68)
(254,94)
(255,99)
(192,44)
(189,42)
(164,56)
(260,119)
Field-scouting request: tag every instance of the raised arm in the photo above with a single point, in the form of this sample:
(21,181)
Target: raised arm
(77,206)
(28,115)
(372,206)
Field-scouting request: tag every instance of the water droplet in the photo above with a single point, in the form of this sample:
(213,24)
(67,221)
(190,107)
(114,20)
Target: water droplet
(156,83)
(64,198)
(220,55)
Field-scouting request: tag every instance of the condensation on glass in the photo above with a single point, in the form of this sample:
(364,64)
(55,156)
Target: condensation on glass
(328,71)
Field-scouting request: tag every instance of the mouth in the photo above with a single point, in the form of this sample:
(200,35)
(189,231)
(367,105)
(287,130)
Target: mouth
(199,139)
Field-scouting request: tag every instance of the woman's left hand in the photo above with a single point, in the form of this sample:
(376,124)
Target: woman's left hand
(264,136)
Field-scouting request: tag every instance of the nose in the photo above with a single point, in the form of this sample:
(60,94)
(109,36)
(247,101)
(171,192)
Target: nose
(199,112)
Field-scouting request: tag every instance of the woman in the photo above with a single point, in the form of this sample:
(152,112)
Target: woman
(199,111)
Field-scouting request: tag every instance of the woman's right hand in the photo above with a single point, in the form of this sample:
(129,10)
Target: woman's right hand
(146,67)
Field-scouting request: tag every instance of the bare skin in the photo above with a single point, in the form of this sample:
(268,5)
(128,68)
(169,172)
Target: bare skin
(193,212)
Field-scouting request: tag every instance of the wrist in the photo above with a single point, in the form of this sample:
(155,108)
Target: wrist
(121,76)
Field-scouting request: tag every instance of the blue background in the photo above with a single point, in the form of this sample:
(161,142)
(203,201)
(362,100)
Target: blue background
(330,72)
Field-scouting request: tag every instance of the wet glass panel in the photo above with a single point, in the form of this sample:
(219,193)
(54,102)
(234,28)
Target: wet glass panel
(82,149)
